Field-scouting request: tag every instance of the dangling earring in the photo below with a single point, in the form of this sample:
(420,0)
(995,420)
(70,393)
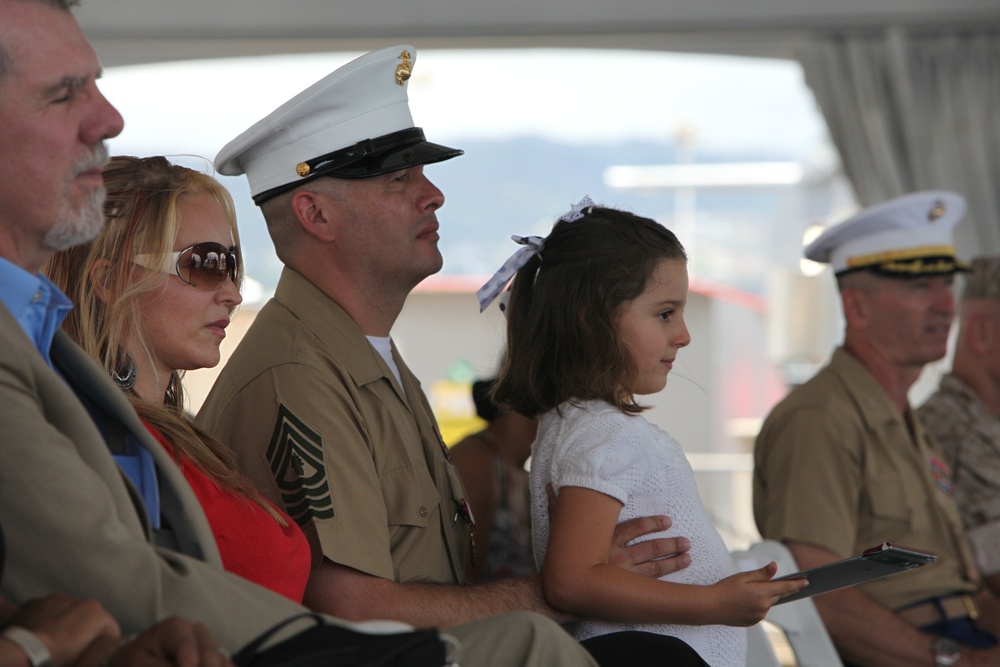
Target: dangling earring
(125,372)
(170,396)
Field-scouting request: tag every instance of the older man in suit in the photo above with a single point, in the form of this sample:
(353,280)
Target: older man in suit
(73,523)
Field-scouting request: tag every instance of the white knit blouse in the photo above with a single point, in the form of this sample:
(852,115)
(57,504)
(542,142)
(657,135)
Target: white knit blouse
(596,446)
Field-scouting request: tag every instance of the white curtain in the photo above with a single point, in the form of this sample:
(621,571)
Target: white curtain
(910,110)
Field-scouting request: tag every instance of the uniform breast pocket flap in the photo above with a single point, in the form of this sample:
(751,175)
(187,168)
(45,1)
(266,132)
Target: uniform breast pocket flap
(892,511)
(410,497)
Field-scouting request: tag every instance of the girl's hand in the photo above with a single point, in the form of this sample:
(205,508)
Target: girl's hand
(745,598)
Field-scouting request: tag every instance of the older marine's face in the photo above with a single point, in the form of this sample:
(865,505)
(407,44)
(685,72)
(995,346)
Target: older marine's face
(53,121)
(911,318)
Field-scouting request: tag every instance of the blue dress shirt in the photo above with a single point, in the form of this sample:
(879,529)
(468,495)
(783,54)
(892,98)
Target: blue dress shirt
(40,308)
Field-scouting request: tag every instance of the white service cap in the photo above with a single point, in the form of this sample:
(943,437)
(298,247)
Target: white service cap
(353,123)
(906,236)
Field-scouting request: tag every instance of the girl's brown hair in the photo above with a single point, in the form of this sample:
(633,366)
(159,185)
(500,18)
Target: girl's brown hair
(141,218)
(562,332)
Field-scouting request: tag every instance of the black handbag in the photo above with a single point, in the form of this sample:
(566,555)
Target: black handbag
(323,644)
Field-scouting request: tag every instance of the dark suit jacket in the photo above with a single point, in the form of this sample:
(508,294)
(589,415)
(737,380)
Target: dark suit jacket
(72,523)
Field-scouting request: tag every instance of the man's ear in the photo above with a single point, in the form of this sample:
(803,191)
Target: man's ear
(317,214)
(991,330)
(856,307)
(98,277)
(981,333)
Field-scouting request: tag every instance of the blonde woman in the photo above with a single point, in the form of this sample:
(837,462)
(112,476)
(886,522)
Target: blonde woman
(154,293)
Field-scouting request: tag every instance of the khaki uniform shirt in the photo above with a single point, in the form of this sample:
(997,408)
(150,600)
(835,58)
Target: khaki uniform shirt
(324,430)
(836,466)
(970,439)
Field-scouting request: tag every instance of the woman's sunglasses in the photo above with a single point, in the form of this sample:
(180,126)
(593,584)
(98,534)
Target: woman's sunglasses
(204,266)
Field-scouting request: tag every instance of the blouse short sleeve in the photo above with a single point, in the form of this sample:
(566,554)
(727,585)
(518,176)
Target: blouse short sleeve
(599,451)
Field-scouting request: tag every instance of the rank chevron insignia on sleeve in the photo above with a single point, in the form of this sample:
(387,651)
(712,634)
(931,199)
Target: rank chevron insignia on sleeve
(295,454)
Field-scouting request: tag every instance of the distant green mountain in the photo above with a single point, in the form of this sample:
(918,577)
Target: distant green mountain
(520,186)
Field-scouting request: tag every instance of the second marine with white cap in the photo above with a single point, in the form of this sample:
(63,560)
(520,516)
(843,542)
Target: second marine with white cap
(843,463)
(323,412)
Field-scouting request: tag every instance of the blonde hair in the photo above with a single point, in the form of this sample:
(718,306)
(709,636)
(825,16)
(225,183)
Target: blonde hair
(141,218)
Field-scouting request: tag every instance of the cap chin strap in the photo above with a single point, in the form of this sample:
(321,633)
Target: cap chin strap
(367,158)
(343,157)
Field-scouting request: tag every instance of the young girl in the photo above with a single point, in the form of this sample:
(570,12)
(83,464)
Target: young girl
(595,318)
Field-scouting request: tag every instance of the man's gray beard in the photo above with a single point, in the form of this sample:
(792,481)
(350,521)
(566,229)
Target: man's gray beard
(76,227)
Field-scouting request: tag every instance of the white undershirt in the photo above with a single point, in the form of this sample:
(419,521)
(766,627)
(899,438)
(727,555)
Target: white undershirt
(383,345)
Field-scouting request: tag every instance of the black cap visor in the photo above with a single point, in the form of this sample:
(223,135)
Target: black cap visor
(371,157)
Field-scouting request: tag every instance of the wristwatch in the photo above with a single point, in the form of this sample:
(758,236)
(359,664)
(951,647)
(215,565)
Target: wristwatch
(946,652)
(33,647)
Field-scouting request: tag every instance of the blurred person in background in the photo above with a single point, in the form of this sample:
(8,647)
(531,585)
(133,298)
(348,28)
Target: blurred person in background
(964,414)
(491,463)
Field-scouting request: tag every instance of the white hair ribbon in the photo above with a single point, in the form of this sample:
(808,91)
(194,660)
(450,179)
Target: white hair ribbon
(491,290)
(577,211)
(533,245)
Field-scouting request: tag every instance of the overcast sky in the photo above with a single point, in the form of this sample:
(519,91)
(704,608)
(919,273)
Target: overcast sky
(577,96)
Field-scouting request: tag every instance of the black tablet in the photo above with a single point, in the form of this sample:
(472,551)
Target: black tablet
(875,563)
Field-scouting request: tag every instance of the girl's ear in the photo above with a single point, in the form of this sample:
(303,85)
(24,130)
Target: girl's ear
(98,277)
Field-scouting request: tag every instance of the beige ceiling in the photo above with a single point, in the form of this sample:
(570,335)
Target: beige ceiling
(138,31)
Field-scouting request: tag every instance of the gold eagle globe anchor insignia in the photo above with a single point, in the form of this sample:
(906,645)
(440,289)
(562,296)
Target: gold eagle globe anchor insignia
(936,212)
(404,69)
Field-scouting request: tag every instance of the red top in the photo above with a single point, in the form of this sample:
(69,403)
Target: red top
(252,544)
